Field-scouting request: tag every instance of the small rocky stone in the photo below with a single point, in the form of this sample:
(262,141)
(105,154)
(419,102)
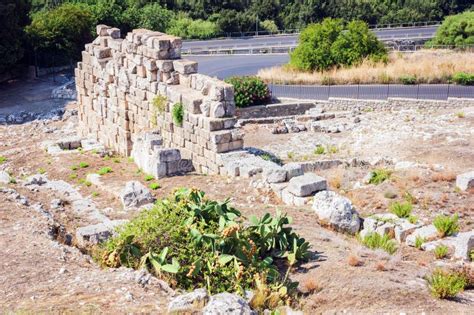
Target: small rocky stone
(37,180)
(465,181)
(336,211)
(4,177)
(275,175)
(56,204)
(135,195)
(427,233)
(293,170)
(97,233)
(188,302)
(227,304)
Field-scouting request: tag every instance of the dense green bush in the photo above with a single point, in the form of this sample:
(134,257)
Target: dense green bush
(446,225)
(464,78)
(151,16)
(249,91)
(188,28)
(374,240)
(401,210)
(177,112)
(65,28)
(444,284)
(194,242)
(333,43)
(269,26)
(456,30)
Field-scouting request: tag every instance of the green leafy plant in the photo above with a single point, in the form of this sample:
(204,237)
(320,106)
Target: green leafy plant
(460,115)
(104,170)
(408,79)
(374,241)
(149,178)
(319,150)
(95,194)
(154,186)
(446,225)
(41,170)
(73,176)
(380,175)
(2,159)
(159,103)
(83,164)
(401,210)
(444,284)
(463,78)
(74,167)
(456,30)
(441,251)
(178,114)
(413,219)
(419,240)
(249,91)
(290,155)
(207,244)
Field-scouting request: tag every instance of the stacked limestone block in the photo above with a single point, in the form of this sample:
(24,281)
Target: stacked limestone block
(118,79)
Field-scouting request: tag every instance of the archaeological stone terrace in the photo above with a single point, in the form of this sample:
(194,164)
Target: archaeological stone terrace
(127,89)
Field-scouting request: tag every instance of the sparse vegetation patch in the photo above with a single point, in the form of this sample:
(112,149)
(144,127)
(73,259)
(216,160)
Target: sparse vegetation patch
(446,225)
(444,284)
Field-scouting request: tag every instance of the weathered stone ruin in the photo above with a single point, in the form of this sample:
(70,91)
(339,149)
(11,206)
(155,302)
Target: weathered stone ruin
(127,89)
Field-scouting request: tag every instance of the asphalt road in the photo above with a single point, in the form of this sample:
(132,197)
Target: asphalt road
(288,40)
(223,66)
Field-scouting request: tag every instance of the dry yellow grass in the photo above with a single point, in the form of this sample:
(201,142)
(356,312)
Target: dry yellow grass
(428,66)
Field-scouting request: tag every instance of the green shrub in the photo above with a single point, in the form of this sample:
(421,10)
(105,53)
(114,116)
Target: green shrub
(159,103)
(456,30)
(419,240)
(83,164)
(441,251)
(186,27)
(463,78)
(445,284)
(207,244)
(319,150)
(408,79)
(65,28)
(149,178)
(269,26)
(401,210)
(374,241)
(178,114)
(249,91)
(2,159)
(333,43)
(446,225)
(380,175)
(104,170)
(74,167)
(154,186)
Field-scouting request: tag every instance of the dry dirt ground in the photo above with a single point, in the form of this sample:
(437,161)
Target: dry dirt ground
(38,274)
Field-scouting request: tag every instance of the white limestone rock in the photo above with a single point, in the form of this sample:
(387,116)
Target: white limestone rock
(227,304)
(135,195)
(336,211)
(465,181)
(307,184)
(427,233)
(189,302)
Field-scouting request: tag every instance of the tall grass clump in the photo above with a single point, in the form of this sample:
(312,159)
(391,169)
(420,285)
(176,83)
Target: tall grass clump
(380,175)
(444,284)
(446,225)
(375,241)
(401,210)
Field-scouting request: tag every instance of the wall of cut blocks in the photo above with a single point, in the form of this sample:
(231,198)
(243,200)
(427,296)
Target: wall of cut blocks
(118,80)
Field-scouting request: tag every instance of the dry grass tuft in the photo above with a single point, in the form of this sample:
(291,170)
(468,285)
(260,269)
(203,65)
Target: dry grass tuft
(443,177)
(310,285)
(354,261)
(380,266)
(428,66)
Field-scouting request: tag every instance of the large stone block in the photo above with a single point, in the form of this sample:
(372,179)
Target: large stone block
(465,181)
(307,185)
(184,66)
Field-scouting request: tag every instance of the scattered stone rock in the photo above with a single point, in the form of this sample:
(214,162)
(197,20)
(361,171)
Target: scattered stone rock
(336,211)
(37,180)
(97,233)
(4,177)
(188,303)
(228,304)
(56,204)
(306,185)
(388,223)
(461,243)
(293,170)
(427,233)
(135,195)
(465,181)
(275,175)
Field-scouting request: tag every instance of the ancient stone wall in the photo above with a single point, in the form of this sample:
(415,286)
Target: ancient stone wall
(128,87)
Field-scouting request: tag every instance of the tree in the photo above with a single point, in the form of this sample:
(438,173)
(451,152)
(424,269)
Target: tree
(11,34)
(456,30)
(65,28)
(332,43)
(269,26)
(151,16)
